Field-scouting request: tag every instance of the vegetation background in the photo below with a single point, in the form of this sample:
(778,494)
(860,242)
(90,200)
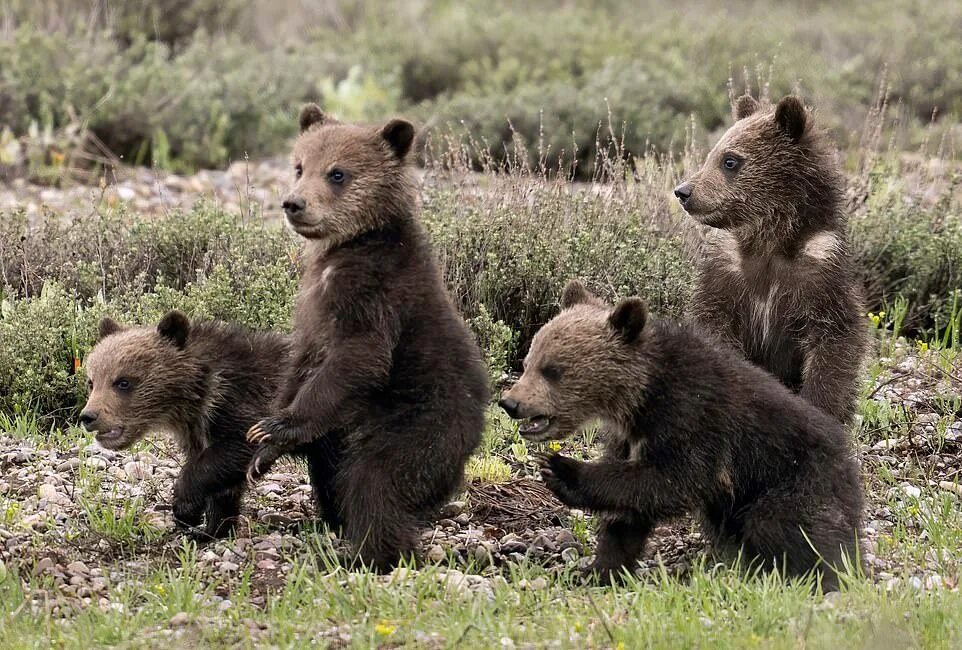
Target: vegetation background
(552,133)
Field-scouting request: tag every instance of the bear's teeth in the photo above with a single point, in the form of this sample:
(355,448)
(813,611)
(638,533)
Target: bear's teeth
(535,424)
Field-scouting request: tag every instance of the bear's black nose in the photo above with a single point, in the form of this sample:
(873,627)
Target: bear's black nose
(510,406)
(683,192)
(294,205)
(87,418)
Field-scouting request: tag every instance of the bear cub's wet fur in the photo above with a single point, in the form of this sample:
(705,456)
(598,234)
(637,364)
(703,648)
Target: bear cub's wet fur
(775,279)
(693,428)
(385,372)
(205,383)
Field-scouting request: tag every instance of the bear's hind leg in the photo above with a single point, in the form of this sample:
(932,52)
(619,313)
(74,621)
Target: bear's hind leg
(621,541)
(375,521)
(223,509)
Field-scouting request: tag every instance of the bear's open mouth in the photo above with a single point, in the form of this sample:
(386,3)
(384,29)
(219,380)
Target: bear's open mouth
(534,426)
(110,438)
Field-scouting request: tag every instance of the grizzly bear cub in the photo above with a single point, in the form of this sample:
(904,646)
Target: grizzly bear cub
(206,383)
(693,427)
(384,370)
(776,280)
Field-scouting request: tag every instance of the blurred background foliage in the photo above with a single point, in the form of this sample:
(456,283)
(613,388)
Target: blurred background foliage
(189,83)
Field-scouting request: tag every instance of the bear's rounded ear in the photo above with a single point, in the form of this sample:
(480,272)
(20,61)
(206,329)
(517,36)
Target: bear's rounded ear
(311,114)
(628,318)
(399,134)
(744,106)
(107,327)
(790,116)
(575,293)
(174,327)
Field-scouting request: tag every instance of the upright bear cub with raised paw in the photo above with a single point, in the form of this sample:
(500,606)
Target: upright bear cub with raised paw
(693,428)
(206,383)
(776,280)
(384,370)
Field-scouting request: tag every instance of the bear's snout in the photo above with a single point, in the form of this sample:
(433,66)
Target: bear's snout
(510,406)
(294,205)
(88,417)
(683,192)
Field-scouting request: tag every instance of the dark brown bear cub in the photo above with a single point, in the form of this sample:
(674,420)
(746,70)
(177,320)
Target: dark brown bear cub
(693,427)
(776,280)
(206,383)
(384,370)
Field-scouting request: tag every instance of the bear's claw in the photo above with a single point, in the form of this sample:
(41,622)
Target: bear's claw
(256,435)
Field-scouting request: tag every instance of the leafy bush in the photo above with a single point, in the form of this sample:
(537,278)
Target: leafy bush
(41,342)
(214,100)
(511,247)
(908,248)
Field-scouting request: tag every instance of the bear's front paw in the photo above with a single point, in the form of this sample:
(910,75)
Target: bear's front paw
(188,511)
(277,429)
(562,476)
(603,574)
(264,458)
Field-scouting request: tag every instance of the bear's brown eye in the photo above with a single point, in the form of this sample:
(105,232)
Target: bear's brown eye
(298,170)
(336,176)
(731,163)
(123,384)
(551,372)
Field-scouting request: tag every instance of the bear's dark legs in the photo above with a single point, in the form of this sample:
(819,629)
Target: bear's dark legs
(323,460)
(376,522)
(776,537)
(222,512)
(621,541)
(216,470)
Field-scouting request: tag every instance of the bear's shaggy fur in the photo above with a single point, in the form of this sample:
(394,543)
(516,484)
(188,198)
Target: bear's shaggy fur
(384,370)
(205,383)
(693,427)
(776,280)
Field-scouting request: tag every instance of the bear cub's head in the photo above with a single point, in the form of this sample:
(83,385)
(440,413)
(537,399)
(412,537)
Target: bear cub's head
(348,179)
(582,365)
(138,378)
(755,169)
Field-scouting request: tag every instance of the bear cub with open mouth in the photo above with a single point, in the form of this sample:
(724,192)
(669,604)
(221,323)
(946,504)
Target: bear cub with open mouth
(694,428)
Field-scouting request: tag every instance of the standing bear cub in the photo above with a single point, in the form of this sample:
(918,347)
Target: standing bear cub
(693,428)
(776,280)
(384,371)
(206,383)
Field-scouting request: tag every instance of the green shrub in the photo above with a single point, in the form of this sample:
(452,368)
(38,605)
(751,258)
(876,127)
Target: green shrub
(41,341)
(908,248)
(511,247)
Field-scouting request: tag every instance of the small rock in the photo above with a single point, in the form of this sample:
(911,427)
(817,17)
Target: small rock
(436,554)
(911,491)
(228,567)
(452,510)
(44,565)
(538,584)
(69,464)
(570,554)
(137,470)
(47,491)
(78,568)
(266,565)
(483,556)
(276,519)
(179,619)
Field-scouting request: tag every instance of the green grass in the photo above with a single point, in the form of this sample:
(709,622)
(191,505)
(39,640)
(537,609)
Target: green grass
(712,607)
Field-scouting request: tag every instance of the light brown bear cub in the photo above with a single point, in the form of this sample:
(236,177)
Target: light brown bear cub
(385,372)
(693,428)
(205,383)
(776,280)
